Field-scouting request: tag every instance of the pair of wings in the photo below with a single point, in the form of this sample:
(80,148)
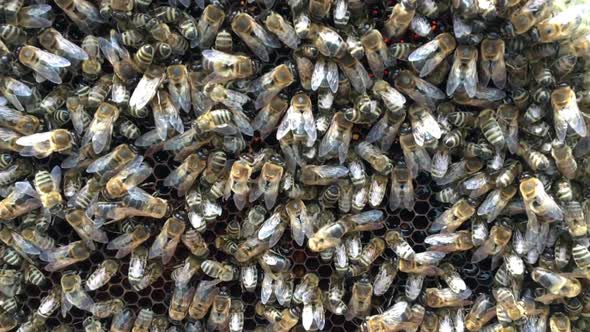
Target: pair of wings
(145,91)
(325,71)
(464,74)
(260,42)
(295,120)
(12,89)
(48,65)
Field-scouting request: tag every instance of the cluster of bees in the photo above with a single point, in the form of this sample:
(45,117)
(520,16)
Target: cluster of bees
(312,119)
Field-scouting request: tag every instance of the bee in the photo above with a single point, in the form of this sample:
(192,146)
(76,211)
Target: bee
(180,302)
(143,321)
(365,111)
(401,51)
(492,62)
(100,130)
(424,127)
(85,227)
(19,122)
(535,159)
(376,52)
(220,311)
(284,31)
(566,113)
(102,275)
(441,298)
(64,256)
(270,84)
(145,91)
(538,203)
(268,117)
(42,145)
(123,320)
(330,235)
(268,181)
(254,36)
(428,56)
(337,138)
(178,86)
(137,263)
(455,216)
(45,64)
(527,16)
(153,271)
(355,72)
(561,26)
(208,25)
(400,18)
(143,58)
(73,294)
(12,34)
(225,67)
(166,242)
(56,43)
(375,157)
(136,203)
(132,38)
(118,57)
(128,242)
(107,308)
(564,160)
(399,245)
(299,121)
(130,176)
(555,283)
(223,272)
(360,301)
(203,298)
(128,129)
(183,177)
(402,188)
(113,162)
(12,89)
(464,71)
(559,323)
(83,13)
(419,90)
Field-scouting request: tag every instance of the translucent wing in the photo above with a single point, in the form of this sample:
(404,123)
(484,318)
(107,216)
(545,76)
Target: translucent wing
(319,72)
(17,87)
(144,92)
(331,171)
(81,300)
(470,80)
(52,60)
(56,176)
(9,114)
(34,139)
(24,245)
(424,51)
(269,227)
(32,16)
(498,70)
(285,125)
(71,49)
(243,122)
(429,257)
(309,126)
(429,89)
(89,10)
(59,264)
(48,66)
(108,50)
(157,248)
(572,116)
(453,80)
(266,38)
(332,76)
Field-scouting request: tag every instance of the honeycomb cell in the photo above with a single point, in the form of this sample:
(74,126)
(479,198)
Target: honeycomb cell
(406,215)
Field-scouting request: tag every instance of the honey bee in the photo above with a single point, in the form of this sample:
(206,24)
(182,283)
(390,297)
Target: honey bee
(180,302)
(424,127)
(143,321)
(464,71)
(45,64)
(178,86)
(56,43)
(270,84)
(64,256)
(83,13)
(225,67)
(153,271)
(113,162)
(499,236)
(85,227)
(559,322)
(299,121)
(254,36)
(337,138)
(555,283)
(203,298)
(538,203)
(495,202)
(219,315)
(73,294)
(385,131)
(492,62)
(421,91)
(183,177)
(208,25)
(360,302)
(566,113)
(128,242)
(399,245)
(136,203)
(563,25)
(100,130)
(102,275)
(123,320)
(428,56)
(452,218)
(376,52)
(19,122)
(284,31)
(145,91)
(400,18)
(355,72)
(375,157)
(130,176)
(118,57)
(330,235)
(12,89)
(107,308)
(42,145)
(268,117)
(166,242)
(441,298)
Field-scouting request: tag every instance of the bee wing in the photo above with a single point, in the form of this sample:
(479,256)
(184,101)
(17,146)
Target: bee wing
(99,133)
(429,90)
(490,207)
(267,38)
(286,123)
(60,264)
(429,257)
(71,49)
(367,217)
(82,300)
(32,16)
(49,66)
(377,131)
(89,10)
(16,87)
(169,250)
(144,92)
(569,115)
(181,96)
(65,304)
(297,229)
(376,63)
(309,126)
(31,140)
(498,71)
(24,245)
(332,76)
(454,80)
(77,117)
(157,248)
(423,52)
(319,72)
(56,176)
(236,99)
(269,226)
(331,171)
(9,114)
(108,50)
(470,80)
(266,288)
(243,122)
(307,316)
